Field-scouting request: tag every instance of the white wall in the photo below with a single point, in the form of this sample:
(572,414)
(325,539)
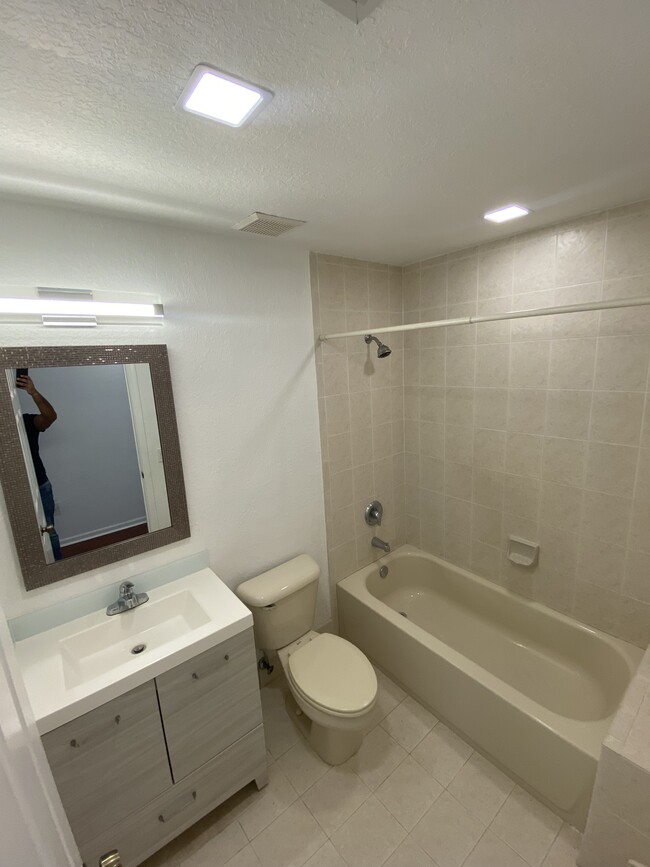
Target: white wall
(89,454)
(239,334)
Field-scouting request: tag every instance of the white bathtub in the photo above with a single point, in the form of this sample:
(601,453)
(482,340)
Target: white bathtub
(531,688)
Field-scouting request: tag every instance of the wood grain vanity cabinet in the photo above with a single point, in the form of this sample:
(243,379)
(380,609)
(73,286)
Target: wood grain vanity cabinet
(135,772)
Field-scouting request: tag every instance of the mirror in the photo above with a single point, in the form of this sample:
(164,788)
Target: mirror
(88,444)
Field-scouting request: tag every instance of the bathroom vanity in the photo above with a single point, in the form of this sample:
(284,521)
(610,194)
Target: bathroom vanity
(143,745)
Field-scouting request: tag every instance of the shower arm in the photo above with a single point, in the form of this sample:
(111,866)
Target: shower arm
(587,306)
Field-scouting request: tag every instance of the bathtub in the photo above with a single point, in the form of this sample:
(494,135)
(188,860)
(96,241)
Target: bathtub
(532,689)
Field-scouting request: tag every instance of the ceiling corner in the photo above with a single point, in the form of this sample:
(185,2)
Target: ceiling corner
(355,10)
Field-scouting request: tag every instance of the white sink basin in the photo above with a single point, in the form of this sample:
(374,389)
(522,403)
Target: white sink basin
(75,667)
(101,648)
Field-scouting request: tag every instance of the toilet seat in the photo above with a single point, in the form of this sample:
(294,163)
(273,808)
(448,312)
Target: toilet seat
(334,676)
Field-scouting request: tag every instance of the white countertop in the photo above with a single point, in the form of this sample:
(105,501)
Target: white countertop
(56,698)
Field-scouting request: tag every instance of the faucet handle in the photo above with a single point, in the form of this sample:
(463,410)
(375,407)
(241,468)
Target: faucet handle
(126,589)
(374,513)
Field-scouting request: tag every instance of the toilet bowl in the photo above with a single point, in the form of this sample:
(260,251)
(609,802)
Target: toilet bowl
(333,686)
(334,692)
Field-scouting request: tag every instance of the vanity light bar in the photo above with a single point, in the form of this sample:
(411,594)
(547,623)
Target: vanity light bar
(68,311)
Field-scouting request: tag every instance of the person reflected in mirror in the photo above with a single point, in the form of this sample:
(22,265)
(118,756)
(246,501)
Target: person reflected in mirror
(36,424)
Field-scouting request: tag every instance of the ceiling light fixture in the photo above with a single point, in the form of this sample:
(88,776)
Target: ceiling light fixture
(222,97)
(510,212)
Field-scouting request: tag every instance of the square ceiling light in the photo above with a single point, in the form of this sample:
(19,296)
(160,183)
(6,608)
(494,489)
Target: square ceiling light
(510,212)
(222,97)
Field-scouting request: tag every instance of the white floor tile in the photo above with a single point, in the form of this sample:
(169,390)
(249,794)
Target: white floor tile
(447,832)
(302,766)
(481,788)
(269,803)
(492,852)
(290,840)
(442,753)
(378,756)
(408,723)
(409,854)
(369,836)
(526,826)
(219,848)
(409,792)
(245,858)
(335,797)
(389,694)
(327,856)
(564,851)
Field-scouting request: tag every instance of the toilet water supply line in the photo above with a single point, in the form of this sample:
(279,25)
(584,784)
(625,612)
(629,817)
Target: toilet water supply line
(497,317)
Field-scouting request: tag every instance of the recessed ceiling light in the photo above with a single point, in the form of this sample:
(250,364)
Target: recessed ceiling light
(510,212)
(222,97)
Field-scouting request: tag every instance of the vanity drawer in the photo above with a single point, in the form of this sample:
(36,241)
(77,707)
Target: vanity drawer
(209,702)
(147,830)
(109,762)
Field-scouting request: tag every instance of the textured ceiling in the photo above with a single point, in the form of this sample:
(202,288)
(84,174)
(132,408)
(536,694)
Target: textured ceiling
(391,138)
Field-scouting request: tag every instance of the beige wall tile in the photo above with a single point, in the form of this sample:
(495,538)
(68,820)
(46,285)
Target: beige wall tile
(572,364)
(491,408)
(529,364)
(534,264)
(524,454)
(580,251)
(489,449)
(459,365)
(622,363)
(563,461)
(616,417)
(567,414)
(606,517)
(496,271)
(458,480)
(492,365)
(627,252)
(611,469)
(560,507)
(522,496)
(462,280)
(526,410)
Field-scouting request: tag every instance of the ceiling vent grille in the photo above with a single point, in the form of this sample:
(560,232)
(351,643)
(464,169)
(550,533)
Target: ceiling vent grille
(267,224)
(356,10)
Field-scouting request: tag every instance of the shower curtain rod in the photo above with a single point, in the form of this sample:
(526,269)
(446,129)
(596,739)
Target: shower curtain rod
(497,317)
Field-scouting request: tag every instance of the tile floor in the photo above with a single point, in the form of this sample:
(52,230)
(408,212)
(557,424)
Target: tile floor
(415,795)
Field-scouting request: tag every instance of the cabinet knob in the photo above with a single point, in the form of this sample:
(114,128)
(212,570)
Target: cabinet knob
(117,720)
(227,657)
(195,675)
(74,743)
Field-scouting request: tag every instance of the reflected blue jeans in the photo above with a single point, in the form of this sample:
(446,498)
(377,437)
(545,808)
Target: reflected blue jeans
(47,498)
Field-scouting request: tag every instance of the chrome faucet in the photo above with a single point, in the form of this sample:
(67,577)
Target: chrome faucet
(128,599)
(379,543)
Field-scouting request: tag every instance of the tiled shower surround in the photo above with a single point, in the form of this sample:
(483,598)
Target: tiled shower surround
(361,402)
(536,428)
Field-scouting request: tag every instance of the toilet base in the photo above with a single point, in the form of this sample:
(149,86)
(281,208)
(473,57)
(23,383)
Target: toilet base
(333,745)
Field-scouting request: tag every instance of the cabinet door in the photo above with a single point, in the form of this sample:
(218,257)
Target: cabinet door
(109,762)
(155,824)
(209,702)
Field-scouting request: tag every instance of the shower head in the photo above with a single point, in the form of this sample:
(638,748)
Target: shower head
(383,351)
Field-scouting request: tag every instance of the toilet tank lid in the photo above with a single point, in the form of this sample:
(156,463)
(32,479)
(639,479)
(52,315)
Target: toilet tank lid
(271,586)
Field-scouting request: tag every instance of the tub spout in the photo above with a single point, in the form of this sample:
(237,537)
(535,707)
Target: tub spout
(379,543)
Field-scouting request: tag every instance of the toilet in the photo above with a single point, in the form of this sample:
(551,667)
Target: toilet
(333,685)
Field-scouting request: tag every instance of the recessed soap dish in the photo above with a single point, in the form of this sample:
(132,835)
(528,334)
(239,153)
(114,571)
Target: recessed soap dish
(522,552)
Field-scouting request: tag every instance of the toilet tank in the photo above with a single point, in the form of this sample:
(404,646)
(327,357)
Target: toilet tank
(283,601)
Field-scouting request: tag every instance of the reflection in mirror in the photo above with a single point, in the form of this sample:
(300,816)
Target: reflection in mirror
(90,441)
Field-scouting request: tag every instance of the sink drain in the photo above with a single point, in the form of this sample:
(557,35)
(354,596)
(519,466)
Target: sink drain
(138,648)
